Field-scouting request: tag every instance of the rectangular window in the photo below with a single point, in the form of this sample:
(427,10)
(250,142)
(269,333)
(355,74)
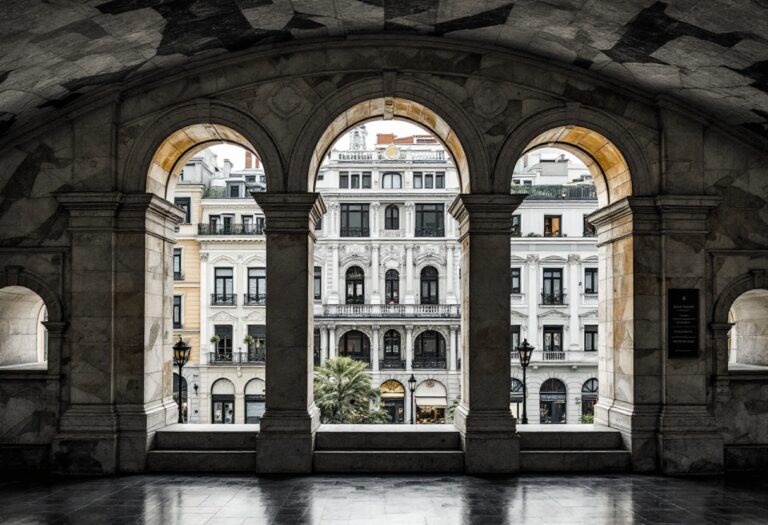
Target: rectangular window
(354,220)
(177,273)
(552,226)
(440,180)
(257,351)
(319,224)
(185,203)
(590,280)
(247,223)
(552,292)
(214,223)
(516,225)
(428,181)
(514,336)
(355,181)
(257,286)
(366,180)
(316,347)
(553,339)
(430,220)
(260,225)
(223,286)
(590,338)
(224,344)
(234,191)
(228,223)
(417,180)
(177,311)
(318,283)
(343,179)
(516,280)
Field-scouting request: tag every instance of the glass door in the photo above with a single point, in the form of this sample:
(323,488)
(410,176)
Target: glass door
(223,410)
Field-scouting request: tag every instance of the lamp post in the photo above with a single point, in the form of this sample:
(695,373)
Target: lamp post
(412,388)
(524,352)
(180,358)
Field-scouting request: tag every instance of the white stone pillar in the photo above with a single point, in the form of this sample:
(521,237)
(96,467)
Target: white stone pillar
(332,343)
(573,296)
(375,220)
(408,348)
(452,348)
(375,295)
(410,220)
(291,417)
(409,293)
(375,349)
(483,416)
(450,293)
(324,342)
(334,292)
(205,302)
(533,290)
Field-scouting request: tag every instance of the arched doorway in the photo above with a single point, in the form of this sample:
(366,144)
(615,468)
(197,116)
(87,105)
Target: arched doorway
(748,337)
(552,402)
(355,284)
(429,286)
(589,396)
(429,350)
(223,402)
(431,402)
(23,335)
(516,398)
(255,400)
(393,400)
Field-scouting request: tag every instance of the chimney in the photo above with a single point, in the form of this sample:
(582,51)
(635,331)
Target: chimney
(227,168)
(248,160)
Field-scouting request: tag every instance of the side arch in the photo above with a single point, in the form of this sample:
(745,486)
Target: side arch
(606,146)
(754,280)
(413,100)
(165,144)
(18,276)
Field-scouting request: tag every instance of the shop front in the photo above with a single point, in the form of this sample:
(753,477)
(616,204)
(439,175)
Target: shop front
(431,403)
(393,400)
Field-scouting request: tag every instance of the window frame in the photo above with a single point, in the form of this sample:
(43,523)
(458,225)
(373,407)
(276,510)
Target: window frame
(392,217)
(552,219)
(343,180)
(590,281)
(392,287)
(517,275)
(357,286)
(432,285)
(177,311)
(590,337)
(552,330)
(257,283)
(347,211)
(317,291)
(429,210)
(184,203)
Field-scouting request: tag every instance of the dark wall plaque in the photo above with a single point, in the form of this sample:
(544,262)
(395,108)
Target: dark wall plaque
(683,322)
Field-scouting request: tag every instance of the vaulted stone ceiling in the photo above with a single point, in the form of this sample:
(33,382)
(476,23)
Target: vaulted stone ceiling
(712,54)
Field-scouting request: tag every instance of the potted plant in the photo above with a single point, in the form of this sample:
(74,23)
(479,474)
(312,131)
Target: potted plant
(249,340)
(214,341)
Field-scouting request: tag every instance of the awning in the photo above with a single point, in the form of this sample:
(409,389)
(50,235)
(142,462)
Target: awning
(431,401)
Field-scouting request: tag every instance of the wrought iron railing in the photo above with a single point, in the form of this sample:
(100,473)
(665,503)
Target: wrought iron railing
(223,299)
(557,192)
(391,364)
(424,231)
(347,231)
(553,355)
(451,311)
(232,229)
(178,276)
(254,299)
(429,363)
(557,298)
(251,357)
(254,355)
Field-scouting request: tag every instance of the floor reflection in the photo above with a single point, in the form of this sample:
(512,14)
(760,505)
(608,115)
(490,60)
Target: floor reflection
(390,500)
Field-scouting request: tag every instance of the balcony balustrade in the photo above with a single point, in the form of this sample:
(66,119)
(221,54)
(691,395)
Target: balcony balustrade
(354,232)
(415,156)
(582,192)
(232,229)
(448,311)
(259,299)
(391,364)
(223,299)
(429,232)
(178,276)
(555,356)
(437,364)
(553,299)
(251,357)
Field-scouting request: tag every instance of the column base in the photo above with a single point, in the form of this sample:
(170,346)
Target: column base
(689,442)
(87,443)
(287,441)
(490,441)
(138,424)
(639,430)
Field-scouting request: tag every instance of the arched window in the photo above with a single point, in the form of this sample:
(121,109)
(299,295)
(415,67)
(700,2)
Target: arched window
(23,336)
(748,339)
(429,350)
(392,287)
(552,401)
(392,353)
(588,400)
(429,285)
(392,217)
(355,344)
(516,397)
(355,285)
(255,400)
(223,402)
(391,181)
(393,400)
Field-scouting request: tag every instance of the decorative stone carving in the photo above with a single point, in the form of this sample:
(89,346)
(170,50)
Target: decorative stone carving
(285,101)
(489,100)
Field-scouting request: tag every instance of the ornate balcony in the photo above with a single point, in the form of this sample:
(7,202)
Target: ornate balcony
(347,231)
(251,357)
(178,276)
(429,232)
(232,229)
(254,299)
(391,364)
(580,192)
(223,299)
(437,364)
(553,299)
(446,311)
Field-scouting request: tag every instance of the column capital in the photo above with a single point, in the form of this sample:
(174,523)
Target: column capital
(485,212)
(90,210)
(290,211)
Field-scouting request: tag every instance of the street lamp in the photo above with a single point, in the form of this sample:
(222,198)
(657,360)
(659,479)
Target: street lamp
(412,388)
(524,352)
(180,358)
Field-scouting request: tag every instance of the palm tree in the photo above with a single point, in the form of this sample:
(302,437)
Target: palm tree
(343,393)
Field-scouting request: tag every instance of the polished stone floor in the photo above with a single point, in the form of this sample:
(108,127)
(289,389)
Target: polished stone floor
(390,500)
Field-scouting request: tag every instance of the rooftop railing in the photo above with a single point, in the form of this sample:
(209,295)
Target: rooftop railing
(232,229)
(584,192)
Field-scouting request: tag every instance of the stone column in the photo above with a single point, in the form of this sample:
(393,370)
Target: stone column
(334,295)
(205,300)
(375,295)
(410,220)
(332,343)
(409,294)
(573,297)
(291,417)
(490,442)
(324,342)
(375,220)
(375,349)
(452,348)
(409,348)
(533,289)
(450,294)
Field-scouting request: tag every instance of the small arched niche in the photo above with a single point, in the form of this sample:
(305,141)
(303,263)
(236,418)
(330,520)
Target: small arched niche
(388,108)
(609,169)
(23,336)
(748,337)
(181,145)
